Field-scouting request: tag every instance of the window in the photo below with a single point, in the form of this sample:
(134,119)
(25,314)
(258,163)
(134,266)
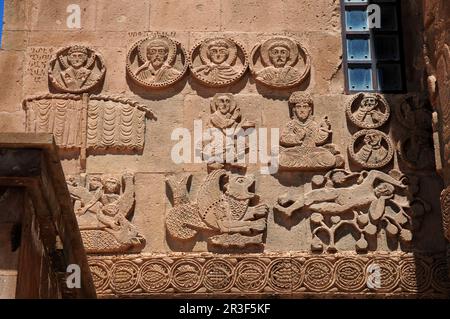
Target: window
(372,55)
(1,21)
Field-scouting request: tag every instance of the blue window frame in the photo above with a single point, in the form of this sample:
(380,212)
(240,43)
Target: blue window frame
(372,56)
(1,21)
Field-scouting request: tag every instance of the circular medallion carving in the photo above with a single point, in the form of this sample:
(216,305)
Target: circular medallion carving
(318,274)
(156,62)
(368,110)
(350,274)
(186,275)
(415,275)
(218,275)
(124,276)
(445,205)
(76,69)
(280,62)
(371,149)
(154,276)
(440,277)
(389,271)
(285,275)
(99,273)
(218,61)
(251,275)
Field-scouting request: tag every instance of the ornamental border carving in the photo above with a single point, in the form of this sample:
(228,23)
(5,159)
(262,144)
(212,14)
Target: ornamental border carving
(268,274)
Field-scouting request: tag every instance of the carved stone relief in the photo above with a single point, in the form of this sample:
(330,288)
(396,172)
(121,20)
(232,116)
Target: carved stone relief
(76,69)
(97,122)
(416,149)
(156,62)
(104,206)
(226,210)
(371,149)
(226,117)
(304,140)
(365,202)
(445,205)
(269,274)
(280,62)
(218,61)
(368,111)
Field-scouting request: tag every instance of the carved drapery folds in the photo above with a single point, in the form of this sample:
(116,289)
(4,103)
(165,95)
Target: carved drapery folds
(104,206)
(228,212)
(280,62)
(98,122)
(157,62)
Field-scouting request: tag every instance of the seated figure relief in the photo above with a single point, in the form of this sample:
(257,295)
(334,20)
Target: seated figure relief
(156,62)
(226,117)
(368,111)
(76,69)
(218,61)
(280,62)
(304,139)
(223,206)
(103,213)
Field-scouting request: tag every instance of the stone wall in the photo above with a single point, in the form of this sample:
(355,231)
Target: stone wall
(437,58)
(34,33)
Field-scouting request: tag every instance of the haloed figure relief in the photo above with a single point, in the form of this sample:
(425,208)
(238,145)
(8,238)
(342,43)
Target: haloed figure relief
(156,62)
(225,117)
(304,140)
(103,208)
(280,62)
(218,61)
(368,110)
(76,69)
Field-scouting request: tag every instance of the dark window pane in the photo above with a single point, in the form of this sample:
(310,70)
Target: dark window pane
(360,79)
(386,47)
(356,20)
(389,77)
(388,18)
(358,49)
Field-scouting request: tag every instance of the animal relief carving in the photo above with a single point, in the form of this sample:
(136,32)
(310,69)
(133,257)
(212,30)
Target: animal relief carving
(104,207)
(365,201)
(226,210)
